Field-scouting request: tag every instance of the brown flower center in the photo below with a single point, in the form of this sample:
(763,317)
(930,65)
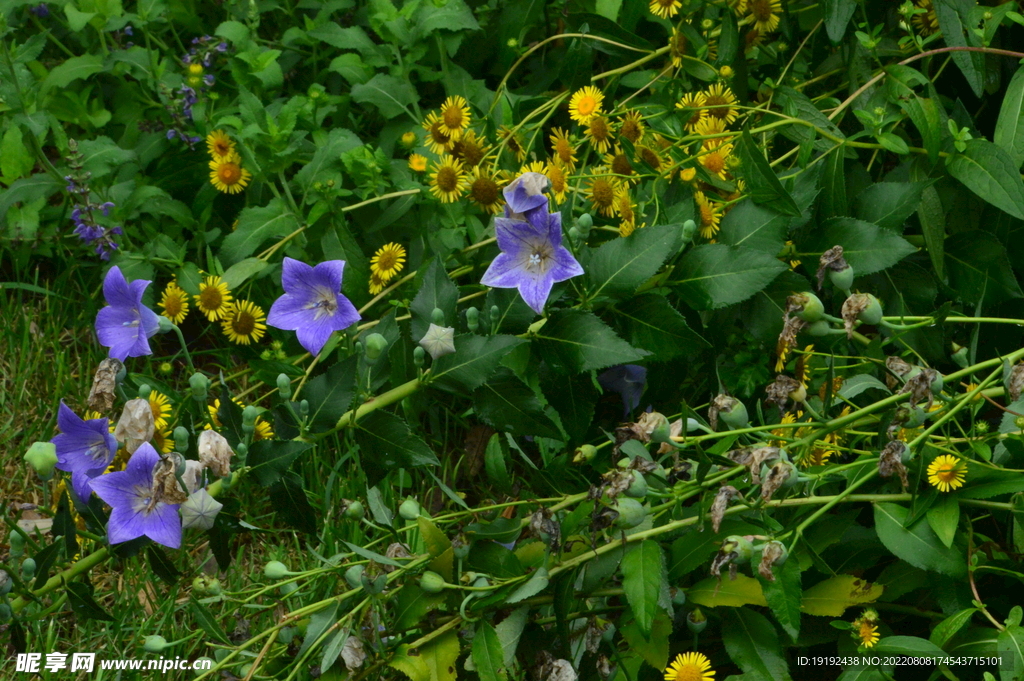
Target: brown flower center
(229,173)
(438,136)
(484,191)
(210,298)
(714,162)
(651,157)
(722,110)
(598,129)
(452,117)
(621,165)
(172,306)
(563,150)
(707,216)
(387,261)
(602,192)
(631,130)
(243,323)
(761,9)
(221,148)
(468,152)
(447,179)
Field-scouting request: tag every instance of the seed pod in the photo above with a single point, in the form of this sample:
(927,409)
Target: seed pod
(630,512)
(678,596)
(872,314)
(410,509)
(288,588)
(696,621)
(806,306)
(275,569)
(215,453)
(638,486)
(136,424)
(206,586)
(154,644)
(740,546)
(354,510)
(431,582)
(28,569)
(354,576)
(842,279)
(584,453)
(819,328)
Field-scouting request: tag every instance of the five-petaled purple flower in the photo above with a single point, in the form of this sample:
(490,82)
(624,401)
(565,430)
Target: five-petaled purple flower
(84,449)
(125,325)
(532,256)
(312,304)
(136,510)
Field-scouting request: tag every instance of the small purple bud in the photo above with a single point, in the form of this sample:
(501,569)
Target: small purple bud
(208,79)
(186,59)
(195,41)
(222,47)
(41,10)
(195,140)
(116,229)
(128,30)
(106,208)
(170,134)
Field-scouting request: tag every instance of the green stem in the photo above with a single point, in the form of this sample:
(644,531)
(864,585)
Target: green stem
(82,566)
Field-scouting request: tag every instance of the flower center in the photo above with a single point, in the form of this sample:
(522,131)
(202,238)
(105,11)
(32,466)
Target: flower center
(173,305)
(563,150)
(447,180)
(243,323)
(210,298)
(603,192)
(717,101)
(621,166)
(707,216)
(557,178)
(386,261)
(485,191)
(540,259)
(598,129)
(586,105)
(229,173)
(143,500)
(667,4)
(453,117)
(714,162)
(631,131)
(98,452)
(221,148)
(325,304)
(761,9)
(439,137)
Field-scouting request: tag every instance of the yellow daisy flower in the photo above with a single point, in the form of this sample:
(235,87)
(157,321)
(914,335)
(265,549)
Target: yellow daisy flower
(455,116)
(710,215)
(626,209)
(376,284)
(532,167)
(244,322)
(618,163)
(927,22)
(677,45)
(556,175)
(692,105)
(448,181)
(765,14)
(585,104)
(512,142)
(174,303)
(437,140)
(410,139)
(650,156)
(601,192)
(947,472)
(417,162)
(562,149)
(599,133)
(228,175)
(632,126)
(162,440)
(690,666)
(219,144)
(714,159)
(720,102)
(485,189)
(867,632)
(666,9)
(469,149)
(214,298)
(388,261)
(160,405)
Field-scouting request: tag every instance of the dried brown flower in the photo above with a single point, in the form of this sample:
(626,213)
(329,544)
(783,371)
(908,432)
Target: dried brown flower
(891,461)
(215,453)
(135,425)
(104,383)
(726,493)
(852,307)
(832,259)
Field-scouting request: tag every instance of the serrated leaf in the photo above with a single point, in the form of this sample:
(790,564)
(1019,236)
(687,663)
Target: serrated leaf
(1010,648)
(653,647)
(948,628)
(454,15)
(578,341)
(270,459)
(978,268)
(943,516)
(507,404)
(889,204)
(641,580)
(327,156)
(386,443)
(389,94)
(290,502)
(990,172)
(652,324)
(436,291)
(763,184)
(956,24)
(753,645)
(866,247)
(15,159)
(331,393)
(617,267)
(82,604)
(351,38)
(748,224)
(256,225)
(487,654)
(73,69)
(537,582)
(933,225)
(161,565)
(241,271)
(831,597)
(784,596)
(474,361)
(715,275)
(101,155)
(855,385)
(1009,134)
(907,645)
(917,545)
(837,15)
(729,592)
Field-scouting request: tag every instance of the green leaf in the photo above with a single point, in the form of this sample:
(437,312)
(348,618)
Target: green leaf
(652,324)
(798,105)
(77,19)
(763,185)
(269,459)
(1010,648)
(330,394)
(917,545)
(71,70)
(652,646)
(1009,134)
(729,592)
(834,201)
(691,551)
(256,225)
(241,271)
(439,656)
(101,155)
(978,267)
(837,16)
(436,291)
(573,397)
(943,516)
(474,361)
(855,385)
(783,596)
(453,15)
(537,582)
(510,630)
(207,622)
(327,156)
(642,569)
(413,603)
(410,663)
(617,267)
(386,442)
(351,67)
(577,341)
(289,500)
(907,645)
(373,555)
(831,597)
(748,224)
(990,172)
(487,654)
(318,624)
(352,38)
(924,113)
(82,604)
(507,404)
(15,158)
(948,628)
(889,204)
(932,217)
(866,247)
(955,20)
(389,94)
(752,643)
(716,275)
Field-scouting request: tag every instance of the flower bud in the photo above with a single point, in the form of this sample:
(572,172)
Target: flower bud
(5,612)
(819,328)
(206,586)
(740,546)
(585,222)
(275,569)
(574,234)
(631,512)
(584,453)
(419,356)
(17,544)
(689,230)
(696,621)
(199,384)
(735,414)
(249,415)
(144,391)
(981,427)
(166,368)
(165,324)
(872,314)
(960,355)
(473,319)
(28,569)
(638,487)
(181,439)
(431,582)
(304,409)
(284,386)
(842,279)
(376,344)
(692,425)
(678,596)
(287,589)
(42,457)
(812,307)
(154,644)
(437,316)
(354,576)
(6,583)
(495,314)
(410,509)
(354,510)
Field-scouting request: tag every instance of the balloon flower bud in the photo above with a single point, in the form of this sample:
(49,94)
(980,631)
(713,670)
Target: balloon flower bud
(144,391)
(495,314)
(6,583)
(819,328)
(376,344)
(165,324)
(689,231)
(284,386)
(584,453)
(275,569)
(354,510)
(17,544)
(841,279)
(410,509)
(574,233)
(431,582)
(249,415)
(473,319)
(696,621)
(28,568)
(585,222)
(181,439)
(437,316)
(419,356)
(42,457)
(199,384)
(811,307)
(154,644)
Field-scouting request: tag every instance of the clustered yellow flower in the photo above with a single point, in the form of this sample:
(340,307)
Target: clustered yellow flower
(226,171)
(385,264)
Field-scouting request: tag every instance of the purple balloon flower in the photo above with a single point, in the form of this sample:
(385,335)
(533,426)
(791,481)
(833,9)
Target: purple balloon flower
(84,449)
(135,510)
(629,380)
(532,257)
(125,325)
(312,304)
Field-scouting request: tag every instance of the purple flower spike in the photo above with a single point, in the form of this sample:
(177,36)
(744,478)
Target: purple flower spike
(312,304)
(84,449)
(125,325)
(532,256)
(629,380)
(135,510)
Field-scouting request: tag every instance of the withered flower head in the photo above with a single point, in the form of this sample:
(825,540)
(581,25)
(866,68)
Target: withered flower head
(215,453)
(891,461)
(783,390)
(898,369)
(778,475)
(547,529)
(1015,382)
(752,458)
(852,309)
(135,425)
(721,403)
(166,487)
(832,259)
(101,396)
(773,553)
(920,387)
(726,493)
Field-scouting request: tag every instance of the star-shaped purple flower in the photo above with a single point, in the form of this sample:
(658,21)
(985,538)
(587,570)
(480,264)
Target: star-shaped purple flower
(125,325)
(84,449)
(312,304)
(532,257)
(136,510)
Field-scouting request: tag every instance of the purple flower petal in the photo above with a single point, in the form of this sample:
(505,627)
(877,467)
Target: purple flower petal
(125,325)
(312,304)
(84,449)
(135,513)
